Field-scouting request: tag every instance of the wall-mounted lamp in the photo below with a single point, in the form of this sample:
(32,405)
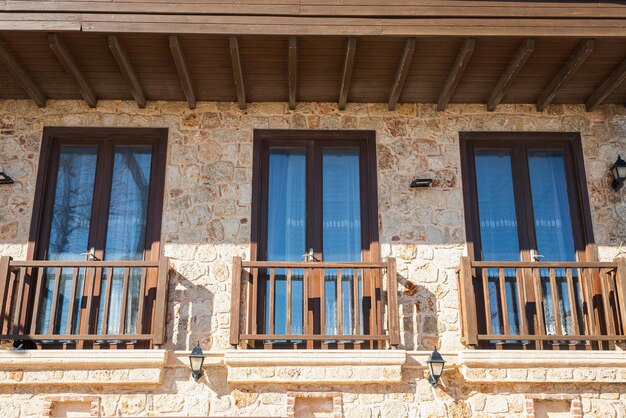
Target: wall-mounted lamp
(421,182)
(4,177)
(196,359)
(435,367)
(619,173)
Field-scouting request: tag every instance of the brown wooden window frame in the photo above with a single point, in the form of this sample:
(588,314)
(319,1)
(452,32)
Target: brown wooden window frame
(582,226)
(365,140)
(53,138)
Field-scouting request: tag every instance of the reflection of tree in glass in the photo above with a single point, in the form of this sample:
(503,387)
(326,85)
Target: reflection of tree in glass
(72,203)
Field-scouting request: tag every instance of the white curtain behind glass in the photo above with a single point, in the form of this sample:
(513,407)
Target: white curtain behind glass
(498,228)
(341,230)
(69,232)
(553,229)
(286,231)
(126,231)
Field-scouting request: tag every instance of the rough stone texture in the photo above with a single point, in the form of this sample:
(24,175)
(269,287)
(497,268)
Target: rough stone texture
(206,221)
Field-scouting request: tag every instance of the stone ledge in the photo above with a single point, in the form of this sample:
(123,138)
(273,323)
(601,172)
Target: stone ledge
(517,366)
(314,366)
(82,367)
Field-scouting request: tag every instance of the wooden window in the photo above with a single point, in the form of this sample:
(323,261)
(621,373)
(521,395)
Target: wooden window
(526,200)
(314,196)
(99,195)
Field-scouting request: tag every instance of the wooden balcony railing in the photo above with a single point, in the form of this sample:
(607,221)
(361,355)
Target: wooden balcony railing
(571,305)
(83,304)
(304,305)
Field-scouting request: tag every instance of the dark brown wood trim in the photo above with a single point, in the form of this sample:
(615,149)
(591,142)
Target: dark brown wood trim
(293,71)
(579,56)
(44,188)
(237,72)
(103,138)
(616,79)
(456,73)
(67,61)
(513,70)
(126,68)
(579,197)
(17,70)
(312,142)
(403,70)
(183,71)
(348,64)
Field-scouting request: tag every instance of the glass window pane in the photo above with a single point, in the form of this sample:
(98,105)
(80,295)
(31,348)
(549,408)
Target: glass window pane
(341,229)
(553,231)
(69,231)
(496,206)
(498,230)
(126,230)
(286,232)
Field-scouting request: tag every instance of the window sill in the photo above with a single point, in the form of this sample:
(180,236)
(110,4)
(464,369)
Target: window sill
(314,366)
(82,367)
(543,366)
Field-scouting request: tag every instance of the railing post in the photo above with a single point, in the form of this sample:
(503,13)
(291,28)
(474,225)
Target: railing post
(5,272)
(621,285)
(468,302)
(392,300)
(235,302)
(160,307)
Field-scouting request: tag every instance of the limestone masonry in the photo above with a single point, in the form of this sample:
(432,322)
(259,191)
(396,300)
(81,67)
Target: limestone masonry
(206,222)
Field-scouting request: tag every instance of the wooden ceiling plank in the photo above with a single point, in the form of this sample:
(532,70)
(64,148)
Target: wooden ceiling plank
(403,70)
(236,64)
(348,64)
(183,71)
(616,78)
(293,71)
(456,73)
(17,71)
(67,61)
(513,70)
(582,52)
(126,68)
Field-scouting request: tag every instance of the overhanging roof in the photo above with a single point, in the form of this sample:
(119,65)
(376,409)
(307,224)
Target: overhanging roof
(429,51)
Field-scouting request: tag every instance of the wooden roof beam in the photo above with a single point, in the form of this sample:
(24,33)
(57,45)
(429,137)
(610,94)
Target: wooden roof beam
(183,71)
(581,53)
(67,61)
(236,63)
(616,78)
(293,71)
(17,71)
(403,70)
(512,71)
(126,68)
(456,73)
(348,64)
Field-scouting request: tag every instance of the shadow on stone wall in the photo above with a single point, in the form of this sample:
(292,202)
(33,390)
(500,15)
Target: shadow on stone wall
(418,316)
(190,313)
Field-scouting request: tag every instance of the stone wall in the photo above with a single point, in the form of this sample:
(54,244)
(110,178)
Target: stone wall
(206,221)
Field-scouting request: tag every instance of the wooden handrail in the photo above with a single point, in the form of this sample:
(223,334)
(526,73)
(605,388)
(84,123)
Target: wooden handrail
(310,264)
(541,264)
(522,312)
(261,280)
(22,303)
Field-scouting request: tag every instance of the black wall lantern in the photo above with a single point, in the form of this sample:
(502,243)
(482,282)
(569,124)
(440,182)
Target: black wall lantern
(196,359)
(421,182)
(435,367)
(619,173)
